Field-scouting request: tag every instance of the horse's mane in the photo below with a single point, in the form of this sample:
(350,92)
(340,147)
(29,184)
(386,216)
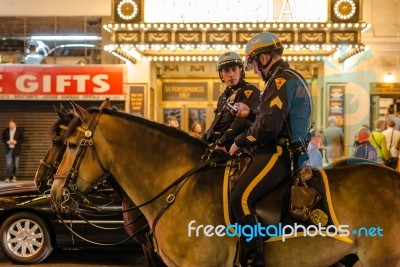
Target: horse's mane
(75,122)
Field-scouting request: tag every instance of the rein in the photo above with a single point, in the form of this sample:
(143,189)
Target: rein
(101,244)
(179,183)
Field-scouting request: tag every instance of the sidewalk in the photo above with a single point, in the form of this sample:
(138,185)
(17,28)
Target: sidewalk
(19,183)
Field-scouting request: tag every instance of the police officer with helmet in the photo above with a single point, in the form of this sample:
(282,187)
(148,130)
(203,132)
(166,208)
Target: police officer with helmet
(277,138)
(226,126)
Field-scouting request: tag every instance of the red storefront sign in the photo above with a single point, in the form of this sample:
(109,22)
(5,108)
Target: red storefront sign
(61,82)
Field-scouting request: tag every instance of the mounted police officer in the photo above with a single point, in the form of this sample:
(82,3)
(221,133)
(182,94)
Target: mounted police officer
(226,126)
(277,138)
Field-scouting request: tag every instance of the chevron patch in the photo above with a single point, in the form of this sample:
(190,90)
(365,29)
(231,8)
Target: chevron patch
(251,138)
(279,82)
(248,93)
(277,101)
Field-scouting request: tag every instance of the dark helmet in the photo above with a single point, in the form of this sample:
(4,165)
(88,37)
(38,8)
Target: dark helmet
(229,59)
(261,43)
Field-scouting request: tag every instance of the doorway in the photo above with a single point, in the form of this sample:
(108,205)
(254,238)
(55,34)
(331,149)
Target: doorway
(380,105)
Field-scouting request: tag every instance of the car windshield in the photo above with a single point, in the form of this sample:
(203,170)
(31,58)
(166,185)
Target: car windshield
(71,52)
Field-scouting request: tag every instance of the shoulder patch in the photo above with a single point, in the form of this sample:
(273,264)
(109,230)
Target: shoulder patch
(279,82)
(248,93)
(276,101)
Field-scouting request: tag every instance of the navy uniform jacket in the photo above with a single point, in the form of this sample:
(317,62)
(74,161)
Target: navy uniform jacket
(18,136)
(284,111)
(228,126)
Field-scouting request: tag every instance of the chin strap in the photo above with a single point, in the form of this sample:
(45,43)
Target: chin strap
(264,66)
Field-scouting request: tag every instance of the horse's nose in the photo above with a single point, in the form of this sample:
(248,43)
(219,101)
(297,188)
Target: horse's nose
(56,193)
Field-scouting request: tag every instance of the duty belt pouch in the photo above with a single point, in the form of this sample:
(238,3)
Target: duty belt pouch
(303,197)
(239,165)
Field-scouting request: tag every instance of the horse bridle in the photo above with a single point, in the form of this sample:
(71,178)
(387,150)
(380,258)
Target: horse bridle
(54,167)
(69,186)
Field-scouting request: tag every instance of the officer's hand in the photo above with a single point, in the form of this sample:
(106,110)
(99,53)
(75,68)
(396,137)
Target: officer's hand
(233,149)
(243,110)
(222,148)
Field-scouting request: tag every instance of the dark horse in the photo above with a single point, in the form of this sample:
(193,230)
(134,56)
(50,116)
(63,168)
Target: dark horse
(178,200)
(135,223)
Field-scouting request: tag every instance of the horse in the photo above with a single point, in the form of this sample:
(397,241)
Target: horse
(134,221)
(158,167)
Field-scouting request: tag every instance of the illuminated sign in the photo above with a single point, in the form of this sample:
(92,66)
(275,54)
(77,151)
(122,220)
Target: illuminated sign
(42,82)
(184,91)
(384,88)
(136,97)
(236,11)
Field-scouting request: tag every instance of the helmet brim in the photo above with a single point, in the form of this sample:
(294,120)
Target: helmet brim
(230,64)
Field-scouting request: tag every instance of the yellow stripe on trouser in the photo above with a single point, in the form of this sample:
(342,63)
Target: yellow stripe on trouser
(258,178)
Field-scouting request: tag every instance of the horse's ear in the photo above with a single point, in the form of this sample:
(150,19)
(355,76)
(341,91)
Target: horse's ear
(105,104)
(80,111)
(62,115)
(63,109)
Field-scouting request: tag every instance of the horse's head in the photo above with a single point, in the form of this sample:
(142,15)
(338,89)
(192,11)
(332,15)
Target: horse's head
(48,166)
(81,167)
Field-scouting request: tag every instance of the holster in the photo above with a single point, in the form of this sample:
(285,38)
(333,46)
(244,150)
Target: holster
(303,197)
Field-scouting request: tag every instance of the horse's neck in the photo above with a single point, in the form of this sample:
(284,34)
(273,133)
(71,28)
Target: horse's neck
(145,162)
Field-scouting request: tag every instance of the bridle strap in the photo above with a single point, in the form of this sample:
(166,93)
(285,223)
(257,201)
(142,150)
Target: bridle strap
(84,143)
(53,168)
(48,166)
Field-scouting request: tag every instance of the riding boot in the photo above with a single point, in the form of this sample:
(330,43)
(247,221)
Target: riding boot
(252,251)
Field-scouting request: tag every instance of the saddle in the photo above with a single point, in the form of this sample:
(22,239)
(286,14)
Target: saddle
(300,199)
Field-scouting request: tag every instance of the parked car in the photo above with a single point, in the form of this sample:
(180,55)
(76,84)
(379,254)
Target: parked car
(30,229)
(74,54)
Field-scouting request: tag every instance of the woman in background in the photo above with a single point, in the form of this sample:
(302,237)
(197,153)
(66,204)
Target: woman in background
(195,130)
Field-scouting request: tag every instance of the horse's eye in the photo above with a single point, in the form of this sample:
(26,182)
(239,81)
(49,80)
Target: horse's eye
(57,140)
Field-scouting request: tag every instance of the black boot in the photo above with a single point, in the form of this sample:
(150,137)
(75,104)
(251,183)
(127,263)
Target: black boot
(251,252)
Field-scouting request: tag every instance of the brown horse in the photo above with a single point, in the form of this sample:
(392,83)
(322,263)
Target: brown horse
(184,202)
(135,222)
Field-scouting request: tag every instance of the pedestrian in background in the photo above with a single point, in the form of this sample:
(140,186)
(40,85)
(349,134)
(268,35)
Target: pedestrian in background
(392,141)
(12,139)
(378,140)
(355,144)
(392,117)
(333,141)
(364,149)
(196,130)
(172,121)
(313,149)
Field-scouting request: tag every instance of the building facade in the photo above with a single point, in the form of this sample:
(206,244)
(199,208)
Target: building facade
(165,56)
